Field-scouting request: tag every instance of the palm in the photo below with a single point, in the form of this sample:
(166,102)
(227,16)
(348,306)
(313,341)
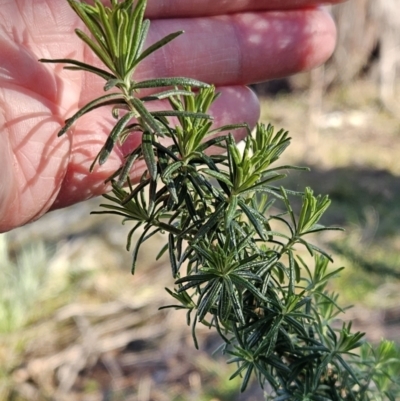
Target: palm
(34,102)
(40,171)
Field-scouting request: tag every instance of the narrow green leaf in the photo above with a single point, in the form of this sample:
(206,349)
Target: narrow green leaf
(288,207)
(241,368)
(111,83)
(231,210)
(170,169)
(113,137)
(88,16)
(212,142)
(112,98)
(230,127)
(292,273)
(208,299)
(126,198)
(137,247)
(151,49)
(148,154)
(172,257)
(128,163)
(211,222)
(109,32)
(237,305)
(248,187)
(99,51)
(321,251)
(79,65)
(146,115)
(224,304)
(223,177)
(166,94)
(176,81)
(186,114)
(246,378)
(130,235)
(139,34)
(142,39)
(254,219)
(161,253)
(243,282)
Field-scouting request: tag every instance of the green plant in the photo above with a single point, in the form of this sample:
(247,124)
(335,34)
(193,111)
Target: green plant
(232,254)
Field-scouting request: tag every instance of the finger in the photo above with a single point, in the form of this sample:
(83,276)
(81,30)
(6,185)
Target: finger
(235,105)
(243,48)
(185,8)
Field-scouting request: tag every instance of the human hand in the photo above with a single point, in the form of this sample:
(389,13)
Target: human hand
(230,44)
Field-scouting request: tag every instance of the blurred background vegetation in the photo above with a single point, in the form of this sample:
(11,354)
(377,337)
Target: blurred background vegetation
(74,325)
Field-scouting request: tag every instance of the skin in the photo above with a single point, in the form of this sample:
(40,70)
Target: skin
(229,43)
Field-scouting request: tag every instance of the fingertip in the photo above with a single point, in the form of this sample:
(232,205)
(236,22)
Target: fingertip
(236,104)
(322,38)
(278,44)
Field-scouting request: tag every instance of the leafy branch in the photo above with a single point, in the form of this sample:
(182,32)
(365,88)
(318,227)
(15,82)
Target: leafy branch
(233,255)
